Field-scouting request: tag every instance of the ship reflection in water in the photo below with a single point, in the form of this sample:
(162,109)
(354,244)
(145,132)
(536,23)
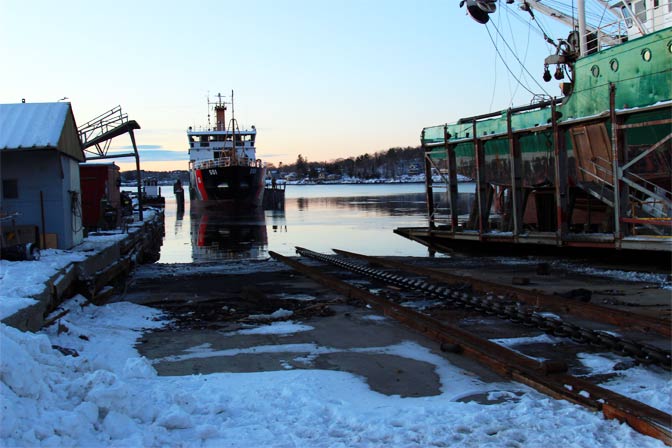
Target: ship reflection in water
(226,236)
(355,218)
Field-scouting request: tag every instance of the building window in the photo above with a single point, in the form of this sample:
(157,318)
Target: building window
(10,189)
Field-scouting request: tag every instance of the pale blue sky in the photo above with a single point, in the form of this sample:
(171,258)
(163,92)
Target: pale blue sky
(325,79)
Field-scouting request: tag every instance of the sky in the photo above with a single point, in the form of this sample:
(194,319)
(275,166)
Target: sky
(324,79)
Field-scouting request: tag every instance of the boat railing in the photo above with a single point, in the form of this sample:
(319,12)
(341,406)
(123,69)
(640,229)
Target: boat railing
(227,161)
(633,24)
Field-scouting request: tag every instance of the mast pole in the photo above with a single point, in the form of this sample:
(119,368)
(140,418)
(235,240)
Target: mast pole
(581,11)
(234,152)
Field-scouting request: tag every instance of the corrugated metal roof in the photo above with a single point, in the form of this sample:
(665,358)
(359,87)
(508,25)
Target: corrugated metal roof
(31,125)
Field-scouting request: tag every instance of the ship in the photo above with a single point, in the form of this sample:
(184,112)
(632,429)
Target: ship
(589,169)
(224,172)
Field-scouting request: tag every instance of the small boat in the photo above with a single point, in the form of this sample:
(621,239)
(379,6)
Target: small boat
(151,193)
(224,172)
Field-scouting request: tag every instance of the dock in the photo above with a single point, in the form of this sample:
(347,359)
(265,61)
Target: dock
(105,260)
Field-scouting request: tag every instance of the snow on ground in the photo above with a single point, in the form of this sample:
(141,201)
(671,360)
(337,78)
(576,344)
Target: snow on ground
(405,178)
(651,385)
(110,396)
(663,280)
(639,383)
(19,280)
(279,328)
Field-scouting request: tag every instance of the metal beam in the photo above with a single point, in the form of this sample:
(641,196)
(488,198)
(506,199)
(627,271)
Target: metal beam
(645,153)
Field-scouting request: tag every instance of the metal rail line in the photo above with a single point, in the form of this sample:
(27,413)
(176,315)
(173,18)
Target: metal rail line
(515,312)
(547,377)
(533,298)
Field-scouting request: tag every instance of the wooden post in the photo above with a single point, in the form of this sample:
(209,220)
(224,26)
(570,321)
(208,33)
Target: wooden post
(452,182)
(560,153)
(615,142)
(516,168)
(43,242)
(429,190)
(480,184)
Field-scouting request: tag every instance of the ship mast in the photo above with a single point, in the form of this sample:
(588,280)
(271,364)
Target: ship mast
(234,153)
(581,12)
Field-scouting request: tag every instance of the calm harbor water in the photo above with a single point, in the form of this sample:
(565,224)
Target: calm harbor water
(359,218)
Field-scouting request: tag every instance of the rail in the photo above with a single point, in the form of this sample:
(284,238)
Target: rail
(547,377)
(226,162)
(534,298)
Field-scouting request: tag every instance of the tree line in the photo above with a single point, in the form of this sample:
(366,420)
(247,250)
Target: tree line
(388,164)
(391,163)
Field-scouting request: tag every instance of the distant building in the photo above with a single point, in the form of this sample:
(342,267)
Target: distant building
(414,169)
(40,153)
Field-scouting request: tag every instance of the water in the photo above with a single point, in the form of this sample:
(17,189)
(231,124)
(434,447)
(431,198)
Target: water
(358,218)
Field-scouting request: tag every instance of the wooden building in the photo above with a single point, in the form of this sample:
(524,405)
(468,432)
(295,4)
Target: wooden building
(40,152)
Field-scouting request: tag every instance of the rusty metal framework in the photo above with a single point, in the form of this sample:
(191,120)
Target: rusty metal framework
(605,177)
(98,133)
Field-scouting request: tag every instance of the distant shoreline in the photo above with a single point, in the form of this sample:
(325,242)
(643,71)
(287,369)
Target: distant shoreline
(414,180)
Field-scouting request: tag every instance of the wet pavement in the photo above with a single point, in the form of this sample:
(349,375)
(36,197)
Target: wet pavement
(211,313)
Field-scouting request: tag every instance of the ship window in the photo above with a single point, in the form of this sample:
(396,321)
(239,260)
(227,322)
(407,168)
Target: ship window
(640,11)
(10,189)
(595,70)
(626,15)
(614,65)
(646,54)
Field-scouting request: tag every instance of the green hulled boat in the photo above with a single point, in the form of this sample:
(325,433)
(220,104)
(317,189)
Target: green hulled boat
(591,168)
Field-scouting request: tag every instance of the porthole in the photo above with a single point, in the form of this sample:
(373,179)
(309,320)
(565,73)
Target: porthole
(614,65)
(669,46)
(646,54)
(595,70)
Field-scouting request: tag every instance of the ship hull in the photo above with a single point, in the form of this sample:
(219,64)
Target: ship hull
(591,171)
(240,187)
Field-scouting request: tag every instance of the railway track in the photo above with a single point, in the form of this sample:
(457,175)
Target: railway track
(400,285)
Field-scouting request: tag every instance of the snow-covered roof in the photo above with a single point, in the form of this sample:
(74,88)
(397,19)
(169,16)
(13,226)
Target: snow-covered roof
(32,125)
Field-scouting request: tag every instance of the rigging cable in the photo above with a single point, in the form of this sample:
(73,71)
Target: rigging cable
(521,64)
(506,65)
(494,84)
(527,47)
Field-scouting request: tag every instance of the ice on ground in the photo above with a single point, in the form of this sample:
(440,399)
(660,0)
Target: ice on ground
(297,297)
(539,339)
(237,267)
(374,317)
(280,328)
(277,314)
